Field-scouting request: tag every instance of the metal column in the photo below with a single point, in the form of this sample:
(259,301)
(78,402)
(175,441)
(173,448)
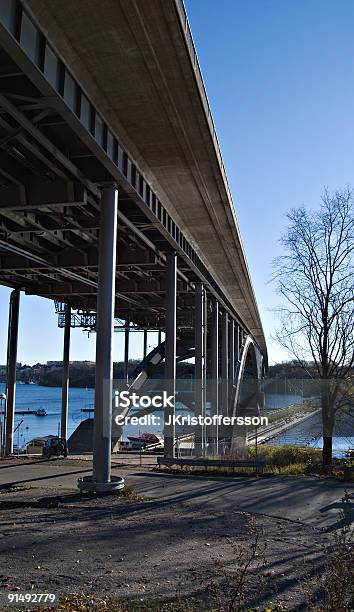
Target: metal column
(199,372)
(232,351)
(65,380)
(12,339)
(237,341)
(104,337)
(205,353)
(215,369)
(126,352)
(170,352)
(225,364)
(145,343)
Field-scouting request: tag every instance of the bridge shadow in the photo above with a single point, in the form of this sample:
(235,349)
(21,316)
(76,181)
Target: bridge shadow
(260,497)
(123,536)
(22,481)
(25,463)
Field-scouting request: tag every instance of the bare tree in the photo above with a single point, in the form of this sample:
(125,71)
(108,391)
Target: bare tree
(315,276)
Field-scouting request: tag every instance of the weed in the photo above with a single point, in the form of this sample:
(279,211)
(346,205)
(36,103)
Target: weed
(131,495)
(15,489)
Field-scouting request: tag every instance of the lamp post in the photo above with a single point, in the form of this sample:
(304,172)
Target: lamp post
(2,427)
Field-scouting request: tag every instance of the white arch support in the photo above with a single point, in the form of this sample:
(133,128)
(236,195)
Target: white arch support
(238,444)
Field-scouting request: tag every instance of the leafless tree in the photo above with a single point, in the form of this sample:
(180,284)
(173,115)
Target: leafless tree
(315,277)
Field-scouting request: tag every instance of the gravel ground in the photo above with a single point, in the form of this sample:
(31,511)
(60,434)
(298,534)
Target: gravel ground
(56,541)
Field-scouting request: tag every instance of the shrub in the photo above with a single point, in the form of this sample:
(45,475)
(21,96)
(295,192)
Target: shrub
(287,455)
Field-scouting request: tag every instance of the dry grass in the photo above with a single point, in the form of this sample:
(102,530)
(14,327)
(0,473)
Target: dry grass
(91,603)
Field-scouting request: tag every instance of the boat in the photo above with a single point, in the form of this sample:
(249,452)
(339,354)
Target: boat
(40,412)
(145,440)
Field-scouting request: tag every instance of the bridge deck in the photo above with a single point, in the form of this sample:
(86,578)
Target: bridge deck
(121,104)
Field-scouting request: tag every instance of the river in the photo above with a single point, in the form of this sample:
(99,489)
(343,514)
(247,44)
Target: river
(31,397)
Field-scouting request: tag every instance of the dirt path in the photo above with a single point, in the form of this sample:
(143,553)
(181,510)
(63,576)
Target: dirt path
(178,538)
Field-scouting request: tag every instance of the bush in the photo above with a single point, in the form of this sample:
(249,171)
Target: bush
(287,455)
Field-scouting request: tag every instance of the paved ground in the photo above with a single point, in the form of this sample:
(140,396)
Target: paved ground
(184,536)
(305,499)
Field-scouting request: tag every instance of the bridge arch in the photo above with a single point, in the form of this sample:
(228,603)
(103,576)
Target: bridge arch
(247,399)
(250,369)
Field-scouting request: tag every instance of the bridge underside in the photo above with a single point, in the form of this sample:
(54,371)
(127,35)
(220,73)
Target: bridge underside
(81,224)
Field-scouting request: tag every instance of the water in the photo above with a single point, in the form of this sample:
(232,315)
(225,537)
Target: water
(276,400)
(308,433)
(32,397)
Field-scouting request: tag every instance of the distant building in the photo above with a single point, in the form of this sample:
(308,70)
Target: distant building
(59,364)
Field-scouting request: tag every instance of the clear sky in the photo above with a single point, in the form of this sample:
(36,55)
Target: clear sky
(280,80)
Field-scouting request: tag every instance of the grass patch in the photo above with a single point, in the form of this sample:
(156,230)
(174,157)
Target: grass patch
(210,471)
(288,460)
(287,455)
(92,603)
(16,489)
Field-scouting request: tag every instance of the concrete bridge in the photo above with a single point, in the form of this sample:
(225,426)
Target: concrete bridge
(114,200)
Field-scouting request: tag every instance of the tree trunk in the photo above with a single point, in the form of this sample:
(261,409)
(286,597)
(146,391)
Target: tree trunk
(327,425)
(327,452)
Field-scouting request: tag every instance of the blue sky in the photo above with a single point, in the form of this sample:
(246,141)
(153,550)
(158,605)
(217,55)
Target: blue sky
(280,80)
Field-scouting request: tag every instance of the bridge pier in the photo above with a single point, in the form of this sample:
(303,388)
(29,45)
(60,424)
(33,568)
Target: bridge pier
(126,352)
(145,344)
(101,481)
(199,372)
(65,380)
(12,340)
(170,352)
(225,362)
(237,344)
(231,354)
(231,363)
(215,370)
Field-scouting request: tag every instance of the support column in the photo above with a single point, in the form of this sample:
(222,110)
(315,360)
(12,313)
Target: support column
(104,342)
(12,339)
(232,351)
(126,352)
(237,342)
(215,369)
(170,352)
(65,380)
(231,364)
(225,363)
(206,431)
(145,343)
(199,371)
